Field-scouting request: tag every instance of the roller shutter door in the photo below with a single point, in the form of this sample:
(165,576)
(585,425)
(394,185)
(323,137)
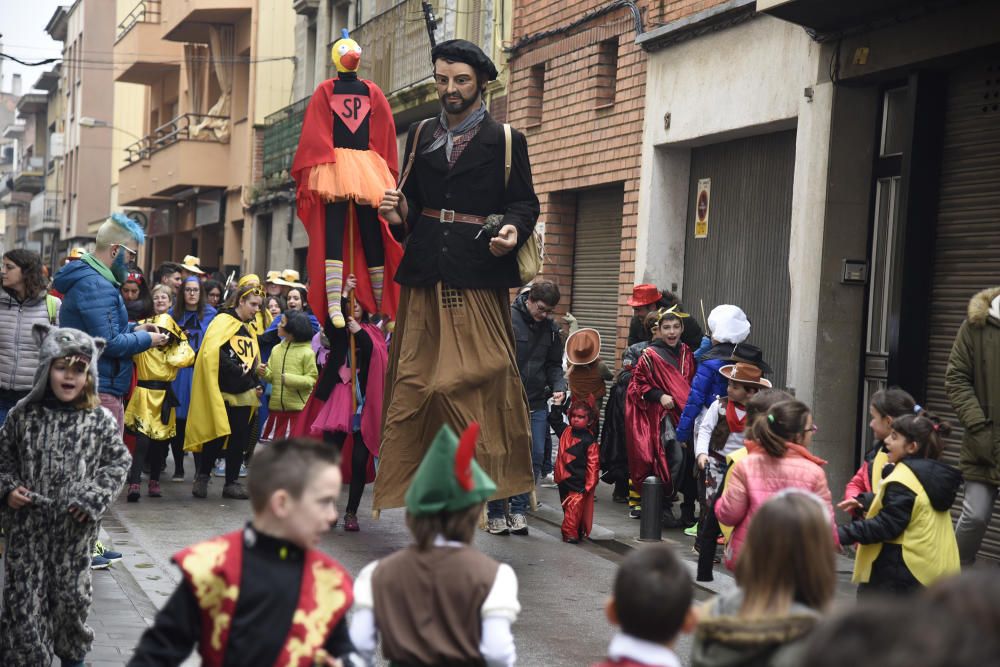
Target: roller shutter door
(744,258)
(597,263)
(967,243)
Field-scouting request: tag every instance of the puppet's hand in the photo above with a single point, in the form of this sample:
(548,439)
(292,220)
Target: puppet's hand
(393,207)
(504,241)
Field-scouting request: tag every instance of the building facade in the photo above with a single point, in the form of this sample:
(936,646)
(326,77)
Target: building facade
(86,28)
(577,81)
(836,173)
(212,73)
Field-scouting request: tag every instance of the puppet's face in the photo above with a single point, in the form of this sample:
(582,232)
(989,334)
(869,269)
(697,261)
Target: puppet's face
(346,55)
(579,419)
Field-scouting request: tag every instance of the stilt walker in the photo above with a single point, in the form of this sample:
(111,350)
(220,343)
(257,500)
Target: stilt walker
(345,161)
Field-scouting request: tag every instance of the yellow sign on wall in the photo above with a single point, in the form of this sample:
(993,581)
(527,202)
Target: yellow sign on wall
(701,208)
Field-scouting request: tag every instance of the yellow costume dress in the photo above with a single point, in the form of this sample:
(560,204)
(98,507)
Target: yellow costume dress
(151,410)
(207,419)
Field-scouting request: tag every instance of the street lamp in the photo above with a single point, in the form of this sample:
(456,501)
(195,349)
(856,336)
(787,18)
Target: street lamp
(87,121)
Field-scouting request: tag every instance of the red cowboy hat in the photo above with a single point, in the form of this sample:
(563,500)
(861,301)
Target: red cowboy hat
(644,295)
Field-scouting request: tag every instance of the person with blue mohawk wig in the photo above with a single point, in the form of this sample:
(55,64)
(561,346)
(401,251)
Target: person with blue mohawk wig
(92,303)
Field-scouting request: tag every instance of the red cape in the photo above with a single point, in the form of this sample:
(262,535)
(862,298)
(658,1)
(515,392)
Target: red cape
(642,418)
(315,148)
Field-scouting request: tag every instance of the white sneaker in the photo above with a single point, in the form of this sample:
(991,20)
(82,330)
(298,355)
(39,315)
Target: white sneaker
(548,482)
(220,470)
(518,524)
(243,470)
(497,526)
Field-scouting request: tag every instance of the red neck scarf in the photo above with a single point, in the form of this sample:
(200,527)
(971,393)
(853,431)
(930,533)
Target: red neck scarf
(736,423)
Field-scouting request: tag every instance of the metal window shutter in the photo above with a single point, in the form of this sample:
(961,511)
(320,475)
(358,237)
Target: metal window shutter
(597,264)
(967,243)
(744,259)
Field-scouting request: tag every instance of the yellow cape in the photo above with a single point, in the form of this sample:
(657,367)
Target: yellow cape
(207,418)
(261,321)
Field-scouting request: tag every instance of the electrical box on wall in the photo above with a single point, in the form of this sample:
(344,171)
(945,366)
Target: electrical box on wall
(855,272)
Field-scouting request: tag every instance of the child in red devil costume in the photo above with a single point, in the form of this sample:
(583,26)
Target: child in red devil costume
(577,467)
(345,161)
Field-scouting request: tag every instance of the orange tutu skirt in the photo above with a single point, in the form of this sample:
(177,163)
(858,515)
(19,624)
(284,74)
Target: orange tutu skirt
(359,175)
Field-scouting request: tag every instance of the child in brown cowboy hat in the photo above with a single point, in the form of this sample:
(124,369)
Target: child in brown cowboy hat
(719,435)
(587,371)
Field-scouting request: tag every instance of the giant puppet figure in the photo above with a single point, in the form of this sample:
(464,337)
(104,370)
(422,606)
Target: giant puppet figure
(345,161)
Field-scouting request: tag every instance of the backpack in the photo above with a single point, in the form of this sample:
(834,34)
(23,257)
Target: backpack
(532,253)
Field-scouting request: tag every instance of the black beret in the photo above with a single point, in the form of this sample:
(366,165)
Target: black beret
(464,51)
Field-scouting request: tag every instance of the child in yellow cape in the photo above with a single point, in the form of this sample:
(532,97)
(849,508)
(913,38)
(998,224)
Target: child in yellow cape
(224,392)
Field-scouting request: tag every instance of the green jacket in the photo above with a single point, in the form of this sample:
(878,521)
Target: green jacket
(292,372)
(973,384)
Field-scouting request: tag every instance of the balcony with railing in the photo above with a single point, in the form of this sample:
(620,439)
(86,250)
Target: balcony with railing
(189,151)
(30,177)
(397,51)
(281,138)
(190,20)
(44,213)
(140,52)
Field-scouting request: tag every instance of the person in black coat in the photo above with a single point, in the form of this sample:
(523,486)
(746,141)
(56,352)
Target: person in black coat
(464,213)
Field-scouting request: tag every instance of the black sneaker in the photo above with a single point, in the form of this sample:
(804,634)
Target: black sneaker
(635,513)
(235,491)
(670,522)
(200,487)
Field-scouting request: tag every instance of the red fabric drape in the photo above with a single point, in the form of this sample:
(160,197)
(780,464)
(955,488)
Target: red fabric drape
(315,148)
(642,418)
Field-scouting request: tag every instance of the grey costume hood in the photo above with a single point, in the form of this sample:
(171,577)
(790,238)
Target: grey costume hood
(56,343)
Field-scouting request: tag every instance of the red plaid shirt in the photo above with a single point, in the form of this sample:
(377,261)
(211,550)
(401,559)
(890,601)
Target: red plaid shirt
(459,142)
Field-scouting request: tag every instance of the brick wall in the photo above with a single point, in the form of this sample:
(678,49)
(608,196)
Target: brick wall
(577,137)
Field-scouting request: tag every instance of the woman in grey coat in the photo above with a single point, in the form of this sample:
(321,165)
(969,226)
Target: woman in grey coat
(24,302)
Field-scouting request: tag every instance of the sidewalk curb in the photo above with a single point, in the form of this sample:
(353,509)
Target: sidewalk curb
(154,582)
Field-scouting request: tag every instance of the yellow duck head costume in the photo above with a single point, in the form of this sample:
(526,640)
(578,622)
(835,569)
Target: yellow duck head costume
(346,53)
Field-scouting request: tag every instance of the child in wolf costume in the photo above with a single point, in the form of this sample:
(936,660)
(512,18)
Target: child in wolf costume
(62,463)
(346,160)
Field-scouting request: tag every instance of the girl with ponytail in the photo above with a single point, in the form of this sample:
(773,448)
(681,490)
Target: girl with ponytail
(778,458)
(907,540)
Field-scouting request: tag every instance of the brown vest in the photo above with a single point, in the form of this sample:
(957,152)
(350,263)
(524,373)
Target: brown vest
(427,604)
(721,432)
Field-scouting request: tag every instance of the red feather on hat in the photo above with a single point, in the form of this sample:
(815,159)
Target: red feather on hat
(463,457)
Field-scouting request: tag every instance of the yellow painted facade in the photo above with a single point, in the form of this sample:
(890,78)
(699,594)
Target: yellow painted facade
(275,66)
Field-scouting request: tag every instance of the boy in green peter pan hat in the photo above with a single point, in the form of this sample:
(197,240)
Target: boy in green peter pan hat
(439,601)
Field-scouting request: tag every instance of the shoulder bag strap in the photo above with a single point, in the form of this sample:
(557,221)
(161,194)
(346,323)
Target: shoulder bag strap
(507,152)
(413,154)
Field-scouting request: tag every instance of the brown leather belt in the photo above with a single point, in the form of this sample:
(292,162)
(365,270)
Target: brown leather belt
(447,215)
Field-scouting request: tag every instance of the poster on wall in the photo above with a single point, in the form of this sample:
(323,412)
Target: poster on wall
(701,208)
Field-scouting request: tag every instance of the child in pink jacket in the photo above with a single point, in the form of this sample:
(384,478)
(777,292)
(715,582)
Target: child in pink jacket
(778,459)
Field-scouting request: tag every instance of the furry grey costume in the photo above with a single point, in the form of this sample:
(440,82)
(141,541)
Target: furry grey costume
(66,457)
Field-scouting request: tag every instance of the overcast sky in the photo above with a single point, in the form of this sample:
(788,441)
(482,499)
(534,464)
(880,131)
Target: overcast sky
(22,23)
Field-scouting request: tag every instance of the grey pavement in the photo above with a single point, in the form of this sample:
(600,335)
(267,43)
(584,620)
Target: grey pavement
(614,529)
(563,588)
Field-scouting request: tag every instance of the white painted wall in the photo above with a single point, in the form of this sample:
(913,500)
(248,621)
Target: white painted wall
(747,80)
